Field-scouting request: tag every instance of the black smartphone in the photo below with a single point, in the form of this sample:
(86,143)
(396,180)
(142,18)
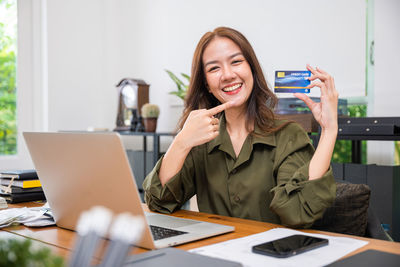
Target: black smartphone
(289,246)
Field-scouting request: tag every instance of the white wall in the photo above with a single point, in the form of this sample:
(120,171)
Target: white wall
(78,95)
(386,97)
(387,58)
(92,44)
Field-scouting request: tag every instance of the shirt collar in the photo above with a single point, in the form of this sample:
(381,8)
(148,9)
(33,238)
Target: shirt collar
(261,137)
(224,142)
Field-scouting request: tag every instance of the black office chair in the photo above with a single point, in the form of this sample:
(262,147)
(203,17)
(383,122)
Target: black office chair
(374,227)
(351,213)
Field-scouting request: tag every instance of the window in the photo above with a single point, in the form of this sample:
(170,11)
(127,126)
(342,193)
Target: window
(8,53)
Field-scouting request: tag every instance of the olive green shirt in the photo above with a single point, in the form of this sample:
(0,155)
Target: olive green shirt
(268,181)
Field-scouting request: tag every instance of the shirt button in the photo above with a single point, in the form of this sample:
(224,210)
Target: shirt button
(233,171)
(237,198)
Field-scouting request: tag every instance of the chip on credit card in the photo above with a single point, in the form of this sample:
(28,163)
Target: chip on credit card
(292,81)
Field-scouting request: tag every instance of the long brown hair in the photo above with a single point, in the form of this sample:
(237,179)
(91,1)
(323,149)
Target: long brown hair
(261,101)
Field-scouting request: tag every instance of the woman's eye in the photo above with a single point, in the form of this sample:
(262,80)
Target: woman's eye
(237,61)
(213,68)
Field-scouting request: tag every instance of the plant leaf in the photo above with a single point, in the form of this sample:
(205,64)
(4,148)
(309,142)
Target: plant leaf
(178,82)
(187,77)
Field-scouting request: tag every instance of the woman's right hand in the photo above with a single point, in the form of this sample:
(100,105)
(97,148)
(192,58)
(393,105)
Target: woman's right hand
(201,126)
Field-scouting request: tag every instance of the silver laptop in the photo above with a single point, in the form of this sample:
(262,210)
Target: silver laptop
(81,170)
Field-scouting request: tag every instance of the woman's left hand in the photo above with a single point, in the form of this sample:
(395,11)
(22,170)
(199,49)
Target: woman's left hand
(324,112)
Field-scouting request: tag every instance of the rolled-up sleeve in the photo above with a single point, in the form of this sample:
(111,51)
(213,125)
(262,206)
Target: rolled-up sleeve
(170,197)
(297,200)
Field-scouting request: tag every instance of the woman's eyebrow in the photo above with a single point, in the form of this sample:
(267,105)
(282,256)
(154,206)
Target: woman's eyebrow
(216,61)
(236,54)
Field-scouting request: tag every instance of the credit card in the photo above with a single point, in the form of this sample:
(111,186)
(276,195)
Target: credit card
(292,81)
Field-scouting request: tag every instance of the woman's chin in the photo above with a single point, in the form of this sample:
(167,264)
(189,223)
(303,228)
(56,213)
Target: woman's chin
(238,100)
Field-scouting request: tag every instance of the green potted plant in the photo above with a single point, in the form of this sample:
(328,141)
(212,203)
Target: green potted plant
(150,114)
(181,86)
(15,252)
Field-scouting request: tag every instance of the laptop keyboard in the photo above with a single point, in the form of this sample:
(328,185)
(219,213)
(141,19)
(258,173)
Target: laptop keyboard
(161,232)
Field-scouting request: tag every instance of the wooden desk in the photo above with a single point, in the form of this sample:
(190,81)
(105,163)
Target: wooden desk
(62,241)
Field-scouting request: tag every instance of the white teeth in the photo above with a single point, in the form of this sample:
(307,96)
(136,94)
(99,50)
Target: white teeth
(232,88)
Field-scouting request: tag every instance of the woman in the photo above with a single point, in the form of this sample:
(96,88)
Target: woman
(231,151)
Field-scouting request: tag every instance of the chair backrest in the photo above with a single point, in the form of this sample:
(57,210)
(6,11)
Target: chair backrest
(349,212)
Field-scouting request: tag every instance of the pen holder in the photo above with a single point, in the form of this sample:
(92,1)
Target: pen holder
(93,225)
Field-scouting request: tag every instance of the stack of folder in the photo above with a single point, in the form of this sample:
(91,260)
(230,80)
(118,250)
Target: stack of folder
(20,186)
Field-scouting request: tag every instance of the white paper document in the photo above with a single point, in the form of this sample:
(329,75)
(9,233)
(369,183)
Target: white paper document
(239,250)
(37,216)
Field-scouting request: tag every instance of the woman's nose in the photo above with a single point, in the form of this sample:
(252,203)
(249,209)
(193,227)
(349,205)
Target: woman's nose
(228,74)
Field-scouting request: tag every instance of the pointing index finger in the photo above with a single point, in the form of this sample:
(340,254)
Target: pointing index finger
(220,108)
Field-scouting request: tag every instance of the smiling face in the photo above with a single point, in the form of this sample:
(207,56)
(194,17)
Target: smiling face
(228,74)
